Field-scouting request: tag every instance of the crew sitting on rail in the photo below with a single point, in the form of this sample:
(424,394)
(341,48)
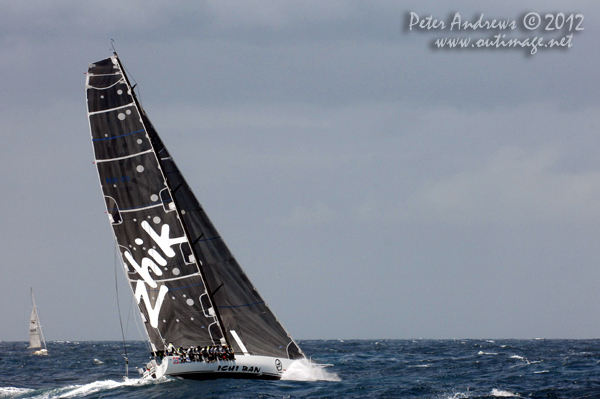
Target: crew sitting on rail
(207,354)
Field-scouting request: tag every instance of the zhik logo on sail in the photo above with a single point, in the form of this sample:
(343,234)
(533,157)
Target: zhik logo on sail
(152,263)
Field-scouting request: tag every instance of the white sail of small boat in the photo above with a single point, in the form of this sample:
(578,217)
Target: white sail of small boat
(191,292)
(36,336)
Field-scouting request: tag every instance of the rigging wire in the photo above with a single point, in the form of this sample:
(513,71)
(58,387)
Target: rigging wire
(120,320)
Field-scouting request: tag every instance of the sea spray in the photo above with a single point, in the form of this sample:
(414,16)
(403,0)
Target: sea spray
(304,370)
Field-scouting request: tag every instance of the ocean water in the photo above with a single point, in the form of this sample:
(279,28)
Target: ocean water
(362,369)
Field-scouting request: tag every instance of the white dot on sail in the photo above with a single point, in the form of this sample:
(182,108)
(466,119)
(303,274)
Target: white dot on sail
(128,112)
(121,116)
(172,206)
(191,318)
(177,320)
(156,220)
(101,96)
(119,92)
(190,301)
(139,141)
(154,198)
(176,271)
(139,241)
(140,168)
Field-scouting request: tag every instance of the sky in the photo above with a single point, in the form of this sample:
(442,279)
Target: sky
(370,184)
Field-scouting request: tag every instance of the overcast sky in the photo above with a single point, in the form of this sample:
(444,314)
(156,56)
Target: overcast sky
(371,185)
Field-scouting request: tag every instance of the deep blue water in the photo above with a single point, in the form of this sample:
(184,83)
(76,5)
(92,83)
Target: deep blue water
(362,369)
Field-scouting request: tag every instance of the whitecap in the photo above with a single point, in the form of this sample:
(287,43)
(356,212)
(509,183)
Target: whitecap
(503,394)
(12,391)
(71,391)
(459,395)
(98,362)
(304,370)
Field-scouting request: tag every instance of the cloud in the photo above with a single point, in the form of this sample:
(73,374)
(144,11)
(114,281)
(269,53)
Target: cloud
(514,187)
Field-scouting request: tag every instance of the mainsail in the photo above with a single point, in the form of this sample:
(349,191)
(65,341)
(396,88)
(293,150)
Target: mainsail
(36,337)
(189,288)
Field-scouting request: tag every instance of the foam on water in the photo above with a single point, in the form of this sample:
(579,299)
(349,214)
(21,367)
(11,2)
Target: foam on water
(9,392)
(457,395)
(97,386)
(304,370)
(503,394)
(76,391)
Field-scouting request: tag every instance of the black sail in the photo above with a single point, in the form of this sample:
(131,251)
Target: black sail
(189,288)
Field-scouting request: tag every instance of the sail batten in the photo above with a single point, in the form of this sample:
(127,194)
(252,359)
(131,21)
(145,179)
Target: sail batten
(111,109)
(190,289)
(125,157)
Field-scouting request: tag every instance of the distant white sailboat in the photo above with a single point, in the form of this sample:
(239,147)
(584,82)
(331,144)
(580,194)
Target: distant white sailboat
(36,337)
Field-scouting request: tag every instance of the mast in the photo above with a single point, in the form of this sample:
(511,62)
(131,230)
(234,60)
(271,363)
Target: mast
(173,198)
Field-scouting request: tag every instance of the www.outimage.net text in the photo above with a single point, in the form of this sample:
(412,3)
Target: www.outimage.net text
(558,30)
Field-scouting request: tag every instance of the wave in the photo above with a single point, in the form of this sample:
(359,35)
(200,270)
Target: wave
(304,370)
(458,395)
(503,394)
(10,392)
(76,391)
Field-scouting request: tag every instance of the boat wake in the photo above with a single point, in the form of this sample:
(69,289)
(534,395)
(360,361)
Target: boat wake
(304,370)
(76,391)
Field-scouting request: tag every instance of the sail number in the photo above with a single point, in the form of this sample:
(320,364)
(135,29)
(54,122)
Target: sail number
(115,180)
